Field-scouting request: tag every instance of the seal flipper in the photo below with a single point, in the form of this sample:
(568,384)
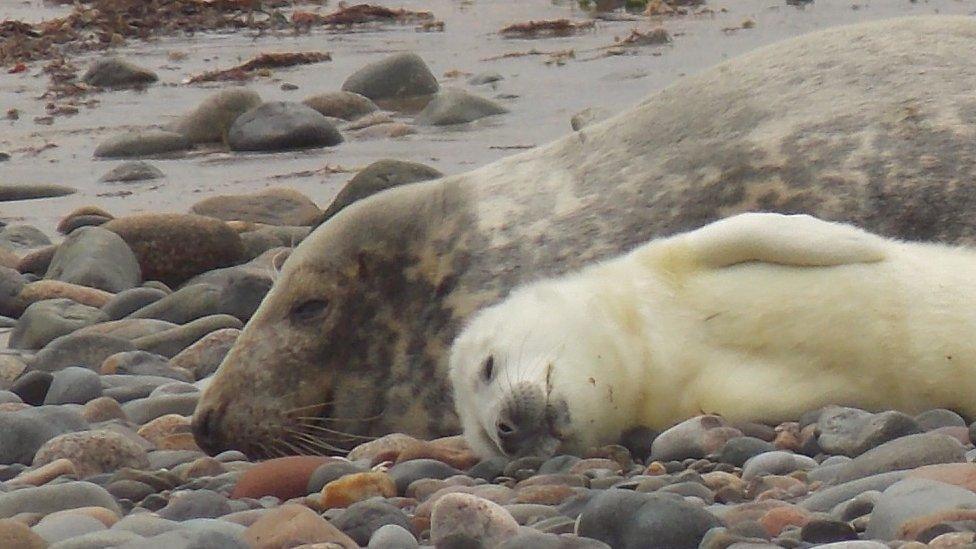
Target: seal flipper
(795,240)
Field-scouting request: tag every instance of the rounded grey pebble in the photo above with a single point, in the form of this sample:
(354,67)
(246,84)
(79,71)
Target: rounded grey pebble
(280,125)
(23,432)
(397,76)
(827,531)
(528,538)
(133,170)
(44,321)
(361,519)
(189,539)
(73,385)
(96,258)
(392,536)
(234,455)
(145,524)
(629,520)
(738,450)
(57,497)
(61,527)
(144,410)
(132,490)
(32,386)
(328,472)
(558,464)
(7,396)
(488,469)
(408,471)
(99,540)
(777,462)
(196,504)
(126,302)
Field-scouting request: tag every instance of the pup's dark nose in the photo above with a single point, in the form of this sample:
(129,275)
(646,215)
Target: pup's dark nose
(522,420)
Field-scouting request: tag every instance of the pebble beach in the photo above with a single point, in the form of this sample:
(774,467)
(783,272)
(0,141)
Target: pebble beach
(157,170)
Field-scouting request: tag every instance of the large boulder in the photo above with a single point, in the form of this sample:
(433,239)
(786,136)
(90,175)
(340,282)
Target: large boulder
(97,258)
(399,76)
(281,126)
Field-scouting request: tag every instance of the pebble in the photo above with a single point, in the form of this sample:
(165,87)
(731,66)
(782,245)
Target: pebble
(285,478)
(349,489)
(126,302)
(273,206)
(625,519)
(399,76)
(693,438)
(292,525)
(45,321)
(459,519)
(93,452)
(22,237)
(195,504)
(59,527)
(203,357)
(17,535)
(329,471)
(40,290)
(362,519)
(172,248)
(46,473)
(379,176)
(391,536)
(32,387)
(738,450)
(341,104)
(56,497)
(79,349)
(104,539)
(73,385)
(212,119)
(455,106)
(131,171)
(851,432)
(23,191)
(776,463)
(96,258)
(141,143)
(115,72)
(144,410)
(902,453)
(27,430)
(169,343)
(279,126)
(407,472)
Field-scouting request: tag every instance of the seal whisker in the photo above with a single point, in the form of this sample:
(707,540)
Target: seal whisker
(318,405)
(318,442)
(334,432)
(337,419)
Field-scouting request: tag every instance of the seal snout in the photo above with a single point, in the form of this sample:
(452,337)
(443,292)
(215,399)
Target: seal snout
(206,430)
(521,422)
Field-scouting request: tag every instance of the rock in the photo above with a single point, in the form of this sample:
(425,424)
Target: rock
(124,303)
(292,525)
(399,76)
(11,367)
(285,478)
(379,176)
(172,248)
(195,504)
(902,453)
(274,206)
(133,170)
(59,527)
(465,520)
(405,473)
(212,119)
(189,303)
(97,258)
(539,540)
(189,539)
(37,261)
(625,519)
(58,497)
(22,237)
(341,104)
(141,143)
(362,519)
(347,490)
(911,499)
(83,216)
(145,524)
(30,191)
(17,535)
(588,116)
(105,539)
(87,350)
(140,363)
(44,321)
(11,285)
(693,438)
(170,342)
(164,427)
(73,385)
(46,473)
(267,239)
(8,259)
(783,517)
(144,410)
(391,130)
(934,419)
(203,357)
(54,289)
(32,387)
(114,72)
(169,459)
(776,463)
(828,498)
(486,77)
(93,452)
(279,126)
(739,449)
(827,531)
(851,432)
(455,106)
(102,409)
(392,536)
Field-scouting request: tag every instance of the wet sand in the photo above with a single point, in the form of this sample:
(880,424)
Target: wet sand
(542,97)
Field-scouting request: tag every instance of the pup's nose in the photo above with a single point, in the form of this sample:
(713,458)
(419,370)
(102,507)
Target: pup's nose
(206,432)
(522,420)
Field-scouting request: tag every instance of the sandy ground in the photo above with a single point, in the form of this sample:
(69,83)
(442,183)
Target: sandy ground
(542,97)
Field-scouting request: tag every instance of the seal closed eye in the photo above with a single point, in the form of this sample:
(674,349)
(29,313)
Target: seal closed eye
(757,317)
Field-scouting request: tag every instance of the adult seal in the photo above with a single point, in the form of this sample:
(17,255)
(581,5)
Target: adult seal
(871,124)
(757,317)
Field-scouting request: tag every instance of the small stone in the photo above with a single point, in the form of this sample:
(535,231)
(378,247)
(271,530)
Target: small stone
(902,453)
(143,363)
(17,535)
(59,527)
(114,72)
(45,321)
(455,106)
(42,290)
(132,490)
(164,427)
(379,176)
(96,258)
(141,143)
(46,473)
(212,119)
(776,463)
(172,248)
(73,385)
(93,452)
(466,519)
(349,489)
(851,432)
(56,497)
(279,126)
(940,417)
(827,531)
(398,76)
(143,410)
(333,470)
(738,450)
(27,430)
(126,302)
(360,520)
(629,520)
(779,518)
(693,438)
(171,342)
(78,349)
(105,538)
(32,387)
(203,357)
(392,536)
(341,104)
(385,448)
(408,471)
(29,191)
(293,525)
(195,504)
(483,78)
(145,524)
(131,171)
(910,499)
(273,206)
(22,237)
(285,478)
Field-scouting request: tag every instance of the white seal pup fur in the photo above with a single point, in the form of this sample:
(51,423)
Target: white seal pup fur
(757,317)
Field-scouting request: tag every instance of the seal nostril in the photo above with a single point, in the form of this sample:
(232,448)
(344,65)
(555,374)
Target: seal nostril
(204,427)
(505,429)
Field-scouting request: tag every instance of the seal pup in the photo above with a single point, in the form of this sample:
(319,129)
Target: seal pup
(758,317)
(870,124)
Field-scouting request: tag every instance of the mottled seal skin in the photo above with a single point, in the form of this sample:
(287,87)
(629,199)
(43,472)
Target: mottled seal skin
(756,317)
(871,124)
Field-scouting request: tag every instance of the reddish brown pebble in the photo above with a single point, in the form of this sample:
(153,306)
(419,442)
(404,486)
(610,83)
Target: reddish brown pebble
(788,437)
(102,409)
(780,517)
(291,526)
(552,494)
(46,473)
(349,489)
(284,478)
(386,448)
(17,535)
(959,474)
(585,465)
